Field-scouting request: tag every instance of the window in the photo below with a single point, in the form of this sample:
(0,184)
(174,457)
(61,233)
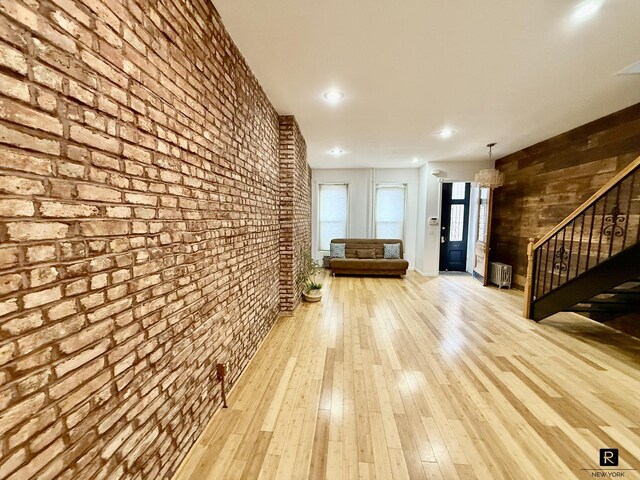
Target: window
(482,215)
(458,190)
(333,213)
(390,211)
(456,217)
(456,224)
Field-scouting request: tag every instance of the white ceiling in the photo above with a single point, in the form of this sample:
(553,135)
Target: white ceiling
(511,71)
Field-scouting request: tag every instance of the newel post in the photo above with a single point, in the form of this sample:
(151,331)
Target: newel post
(528,280)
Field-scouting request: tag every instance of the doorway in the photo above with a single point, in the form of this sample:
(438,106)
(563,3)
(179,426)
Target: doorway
(454,227)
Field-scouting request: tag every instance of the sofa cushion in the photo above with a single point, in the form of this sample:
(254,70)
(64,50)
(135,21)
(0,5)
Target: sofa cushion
(337,250)
(366,253)
(391,250)
(353,244)
(369,264)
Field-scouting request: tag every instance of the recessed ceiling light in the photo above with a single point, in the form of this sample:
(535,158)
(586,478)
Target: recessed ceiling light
(333,95)
(446,132)
(415,160)
(586,9)
(336,151)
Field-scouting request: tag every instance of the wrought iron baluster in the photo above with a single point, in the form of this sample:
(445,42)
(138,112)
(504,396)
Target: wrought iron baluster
(553,265)
(614,222)
(573,229)
(593,215)
(600,235)
(546,267)
(561,256)
(580,243)
(632,195)
(537,262)
(628,181)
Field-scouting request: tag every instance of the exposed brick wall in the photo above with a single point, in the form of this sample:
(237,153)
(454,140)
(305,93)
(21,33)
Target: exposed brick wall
(139,221)
(544,183)
(295,211)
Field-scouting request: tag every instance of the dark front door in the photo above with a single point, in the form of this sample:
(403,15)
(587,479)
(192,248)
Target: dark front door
(454,226)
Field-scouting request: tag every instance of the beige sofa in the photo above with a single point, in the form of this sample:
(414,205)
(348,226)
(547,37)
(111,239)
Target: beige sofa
(368,266)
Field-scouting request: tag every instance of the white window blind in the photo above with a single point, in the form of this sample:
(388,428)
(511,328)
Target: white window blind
(333,213)
(390,211)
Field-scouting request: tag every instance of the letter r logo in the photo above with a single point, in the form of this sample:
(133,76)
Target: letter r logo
(608,457)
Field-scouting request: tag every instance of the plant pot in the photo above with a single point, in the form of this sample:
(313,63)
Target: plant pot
(312,295)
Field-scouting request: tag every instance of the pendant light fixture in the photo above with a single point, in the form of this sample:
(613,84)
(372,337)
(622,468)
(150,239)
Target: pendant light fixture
(490,177)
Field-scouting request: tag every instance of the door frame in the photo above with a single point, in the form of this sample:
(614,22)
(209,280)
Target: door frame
(484,279)
(467,219)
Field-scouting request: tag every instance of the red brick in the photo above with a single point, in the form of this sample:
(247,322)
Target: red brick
(94,139)
(35,424)
(25,162)
(19,325)
(24,231)
(10,283)
(41,253)
(21,186)
(17,113)
(49,334)
(39,461)
(103,228)
(42,297)
(145,197)
(24,140)
(48,77)
(13,87)
(13,461)
(13,59)
(16,208)
(42,276)
(20,412)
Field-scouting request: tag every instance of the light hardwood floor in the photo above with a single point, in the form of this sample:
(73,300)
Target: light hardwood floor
(434,378)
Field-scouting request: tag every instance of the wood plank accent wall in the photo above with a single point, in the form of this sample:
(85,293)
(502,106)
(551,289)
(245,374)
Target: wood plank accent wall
(545,182)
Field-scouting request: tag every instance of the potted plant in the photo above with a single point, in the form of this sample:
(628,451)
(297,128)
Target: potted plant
(308,268)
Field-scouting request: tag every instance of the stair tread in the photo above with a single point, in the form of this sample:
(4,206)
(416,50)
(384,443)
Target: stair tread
(604,307)
(613,298)
(635,290)
(610,286)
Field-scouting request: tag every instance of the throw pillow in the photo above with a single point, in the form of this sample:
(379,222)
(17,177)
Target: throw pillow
(368,253)
(391,250)
(337,250)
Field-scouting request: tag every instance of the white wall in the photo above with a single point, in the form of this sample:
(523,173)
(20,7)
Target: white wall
(428,256)
(422,216)
(361,202)
(422,241)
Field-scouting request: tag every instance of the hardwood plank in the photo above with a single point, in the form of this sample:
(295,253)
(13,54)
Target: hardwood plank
(419,377)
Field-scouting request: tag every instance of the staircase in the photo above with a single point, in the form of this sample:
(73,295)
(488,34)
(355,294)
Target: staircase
(590,262)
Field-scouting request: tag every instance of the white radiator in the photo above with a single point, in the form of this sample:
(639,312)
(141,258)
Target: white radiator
(500,274)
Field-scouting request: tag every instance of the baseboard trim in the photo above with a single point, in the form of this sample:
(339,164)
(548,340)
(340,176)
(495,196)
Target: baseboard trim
(422,274)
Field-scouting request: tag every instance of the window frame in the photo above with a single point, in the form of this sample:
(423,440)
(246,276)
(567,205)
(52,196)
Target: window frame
(405,190)
(348,217)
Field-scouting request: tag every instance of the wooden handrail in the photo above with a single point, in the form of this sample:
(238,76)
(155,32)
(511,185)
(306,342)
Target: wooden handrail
(528,283)
(608,186)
